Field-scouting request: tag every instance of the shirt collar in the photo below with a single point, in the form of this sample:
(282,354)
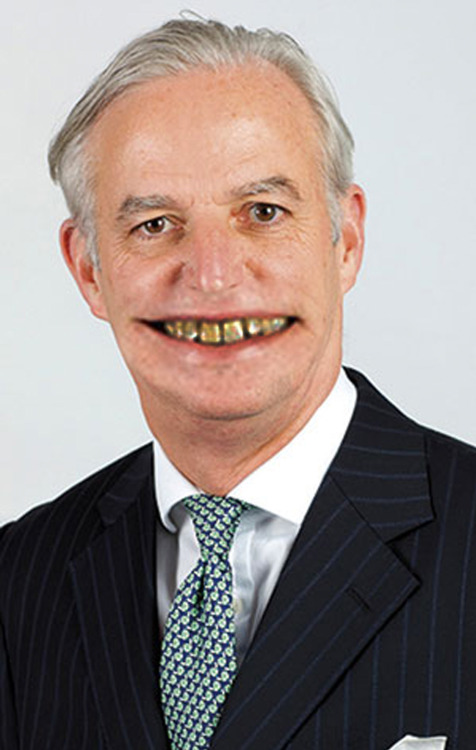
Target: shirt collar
(286,483)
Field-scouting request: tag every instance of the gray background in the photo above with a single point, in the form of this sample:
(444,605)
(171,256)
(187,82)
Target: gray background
(404,71)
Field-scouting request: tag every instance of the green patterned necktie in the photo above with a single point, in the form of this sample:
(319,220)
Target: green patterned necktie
(198,661)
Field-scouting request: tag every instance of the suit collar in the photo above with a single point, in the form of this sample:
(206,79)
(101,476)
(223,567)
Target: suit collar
(382,465)
(126,485)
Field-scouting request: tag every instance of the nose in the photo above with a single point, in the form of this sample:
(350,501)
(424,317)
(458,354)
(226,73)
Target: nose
(215,260)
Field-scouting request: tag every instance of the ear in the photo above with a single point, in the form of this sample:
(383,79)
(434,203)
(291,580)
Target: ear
(351,241)
(84,271)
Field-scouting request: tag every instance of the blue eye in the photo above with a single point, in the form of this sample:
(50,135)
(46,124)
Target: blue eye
(265,213)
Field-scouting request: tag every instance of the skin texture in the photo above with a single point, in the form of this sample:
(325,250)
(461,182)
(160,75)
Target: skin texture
(208,149)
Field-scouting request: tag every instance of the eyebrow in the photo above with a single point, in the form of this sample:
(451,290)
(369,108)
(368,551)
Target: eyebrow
(135,204)
(275,184)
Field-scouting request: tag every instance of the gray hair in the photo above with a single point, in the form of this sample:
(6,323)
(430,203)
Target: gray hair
(178,46)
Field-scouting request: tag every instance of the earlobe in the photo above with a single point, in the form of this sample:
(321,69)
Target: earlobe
(352,236)
(84,271)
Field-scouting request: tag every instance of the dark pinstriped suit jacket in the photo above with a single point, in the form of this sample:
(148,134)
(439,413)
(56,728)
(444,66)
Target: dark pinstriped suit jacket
(370,634)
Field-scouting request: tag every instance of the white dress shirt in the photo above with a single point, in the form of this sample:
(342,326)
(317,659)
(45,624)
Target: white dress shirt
(280,491)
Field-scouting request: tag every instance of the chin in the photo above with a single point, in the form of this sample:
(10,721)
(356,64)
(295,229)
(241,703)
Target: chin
(223,410)
(221,404)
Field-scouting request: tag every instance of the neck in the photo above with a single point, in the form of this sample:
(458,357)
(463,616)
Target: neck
(215,454)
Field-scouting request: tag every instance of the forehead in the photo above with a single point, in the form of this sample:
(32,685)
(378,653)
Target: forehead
(219,124)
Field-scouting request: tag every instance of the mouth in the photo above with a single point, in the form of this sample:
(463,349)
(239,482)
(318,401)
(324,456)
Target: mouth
(222,332)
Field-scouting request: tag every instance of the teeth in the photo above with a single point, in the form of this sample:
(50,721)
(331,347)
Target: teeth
(174,329)
(190,330)
(210,333)
(272,325)
(222,332)
(253,326)
(233,331)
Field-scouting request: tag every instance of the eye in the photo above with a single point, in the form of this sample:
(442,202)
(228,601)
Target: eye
(265,213)
(158,225)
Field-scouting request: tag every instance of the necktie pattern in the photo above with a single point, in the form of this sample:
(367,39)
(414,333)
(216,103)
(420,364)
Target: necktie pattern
(198,661)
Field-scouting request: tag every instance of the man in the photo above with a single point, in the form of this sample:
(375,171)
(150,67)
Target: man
(215,225)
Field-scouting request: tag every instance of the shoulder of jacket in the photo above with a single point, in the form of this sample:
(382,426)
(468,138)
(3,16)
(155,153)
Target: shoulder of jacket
(73,502)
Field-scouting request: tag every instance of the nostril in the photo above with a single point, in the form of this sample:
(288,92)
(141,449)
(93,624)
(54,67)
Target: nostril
(214,284)
(177,272)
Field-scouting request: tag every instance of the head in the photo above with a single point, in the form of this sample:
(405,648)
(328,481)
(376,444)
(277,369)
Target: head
(212,168)
(182,45)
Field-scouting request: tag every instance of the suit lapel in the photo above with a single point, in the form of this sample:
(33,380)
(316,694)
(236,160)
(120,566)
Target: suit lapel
(382,466)
(341,583)
(114,588)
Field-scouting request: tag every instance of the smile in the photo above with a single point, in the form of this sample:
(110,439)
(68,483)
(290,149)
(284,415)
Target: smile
(222,332)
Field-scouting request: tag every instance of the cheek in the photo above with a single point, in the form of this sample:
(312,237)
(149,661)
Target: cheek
(310,268)
(128,287)
(320,290)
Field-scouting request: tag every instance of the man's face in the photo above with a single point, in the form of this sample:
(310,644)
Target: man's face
(213,230)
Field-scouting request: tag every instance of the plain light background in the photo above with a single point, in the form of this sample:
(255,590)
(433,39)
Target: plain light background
(404,71)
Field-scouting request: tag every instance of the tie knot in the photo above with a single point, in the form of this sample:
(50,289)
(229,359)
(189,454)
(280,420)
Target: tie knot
(215,519)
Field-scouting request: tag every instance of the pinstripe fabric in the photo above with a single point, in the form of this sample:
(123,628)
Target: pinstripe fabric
(79,616)
(369,635)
